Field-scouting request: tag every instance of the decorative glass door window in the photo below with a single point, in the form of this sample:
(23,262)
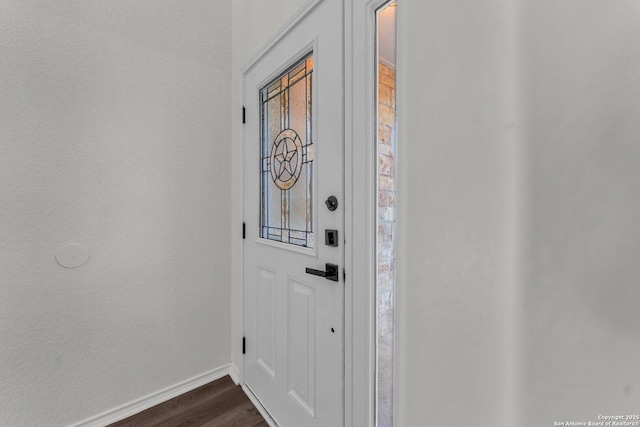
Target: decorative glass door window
(286,178)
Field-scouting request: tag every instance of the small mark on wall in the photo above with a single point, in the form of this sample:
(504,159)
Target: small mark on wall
(72,255)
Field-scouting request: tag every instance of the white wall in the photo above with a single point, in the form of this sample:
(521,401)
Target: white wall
(519,205)
(456,126)
(580,307)
(114,127)
(254,23)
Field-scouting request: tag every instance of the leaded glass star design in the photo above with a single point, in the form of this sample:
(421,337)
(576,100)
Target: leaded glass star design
(286,159)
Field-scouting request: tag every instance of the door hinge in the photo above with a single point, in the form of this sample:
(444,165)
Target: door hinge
(344,275)
(244,230)
(244,115)
(244,345)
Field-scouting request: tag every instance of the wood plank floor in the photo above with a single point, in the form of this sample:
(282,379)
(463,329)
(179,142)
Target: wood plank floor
(219,403)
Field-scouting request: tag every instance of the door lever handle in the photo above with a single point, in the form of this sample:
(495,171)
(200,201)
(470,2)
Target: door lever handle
(331,272)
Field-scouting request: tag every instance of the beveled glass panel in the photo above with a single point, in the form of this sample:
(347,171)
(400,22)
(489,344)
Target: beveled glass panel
(286,163)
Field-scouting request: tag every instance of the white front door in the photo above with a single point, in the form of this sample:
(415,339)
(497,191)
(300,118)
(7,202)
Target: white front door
(293,180)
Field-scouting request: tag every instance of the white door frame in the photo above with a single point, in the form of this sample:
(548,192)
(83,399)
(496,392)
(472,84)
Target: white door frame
(361,110)
(361,174)
(360,202)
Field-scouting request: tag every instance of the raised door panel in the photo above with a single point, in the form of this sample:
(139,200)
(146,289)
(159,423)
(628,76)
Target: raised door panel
(266,325)
(302,345)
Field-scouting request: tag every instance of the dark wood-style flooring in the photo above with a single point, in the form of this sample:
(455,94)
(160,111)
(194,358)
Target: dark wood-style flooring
(219,403)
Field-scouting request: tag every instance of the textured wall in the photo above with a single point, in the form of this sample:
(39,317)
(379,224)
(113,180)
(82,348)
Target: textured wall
(386,196)
(254,23)
(114,133)
(386,250)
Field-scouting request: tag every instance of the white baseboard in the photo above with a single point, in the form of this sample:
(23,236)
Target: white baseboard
(234,374)
(153,399)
